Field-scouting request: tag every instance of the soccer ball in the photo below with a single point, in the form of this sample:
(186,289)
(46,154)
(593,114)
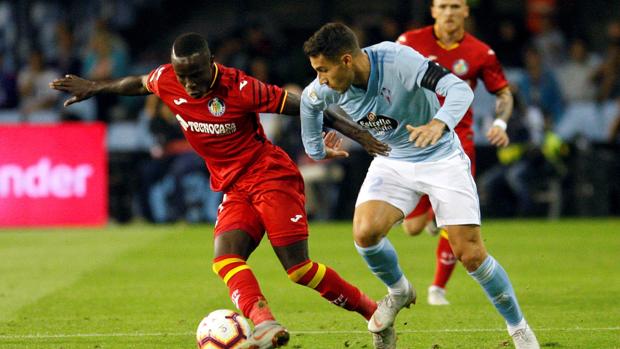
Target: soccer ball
(222,329)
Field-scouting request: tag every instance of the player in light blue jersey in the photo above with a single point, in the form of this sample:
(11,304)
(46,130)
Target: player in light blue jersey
(390,90)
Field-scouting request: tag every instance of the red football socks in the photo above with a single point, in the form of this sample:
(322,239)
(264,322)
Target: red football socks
(332,287)
(446,261)
(243,287)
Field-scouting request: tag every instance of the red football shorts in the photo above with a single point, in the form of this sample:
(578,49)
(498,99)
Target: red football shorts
(468,146)
(268,197)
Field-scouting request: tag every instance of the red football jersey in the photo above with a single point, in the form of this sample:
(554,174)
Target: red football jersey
(470,59)
(223,126)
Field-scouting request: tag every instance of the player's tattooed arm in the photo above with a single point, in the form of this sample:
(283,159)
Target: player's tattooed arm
(82,89)
(504,104)
(336,118)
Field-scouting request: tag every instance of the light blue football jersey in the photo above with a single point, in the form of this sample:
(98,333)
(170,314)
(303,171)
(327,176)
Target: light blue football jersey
(392,100)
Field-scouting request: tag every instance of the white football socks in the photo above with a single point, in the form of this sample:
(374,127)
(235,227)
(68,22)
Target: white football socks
(399,287)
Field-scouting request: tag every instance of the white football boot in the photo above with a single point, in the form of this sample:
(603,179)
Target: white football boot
(385,339)
(267,335)
(437,296)
(388,308)
(524,338)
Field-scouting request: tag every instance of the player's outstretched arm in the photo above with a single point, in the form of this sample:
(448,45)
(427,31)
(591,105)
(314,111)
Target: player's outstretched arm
(82,89)
(336,118)
(503,109)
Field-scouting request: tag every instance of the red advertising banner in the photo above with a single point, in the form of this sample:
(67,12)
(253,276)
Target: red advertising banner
(53,175)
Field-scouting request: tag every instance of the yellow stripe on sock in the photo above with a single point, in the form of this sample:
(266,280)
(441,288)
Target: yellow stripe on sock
(234,271)
(217,266)
(444,234)
(299,273)
(320,273)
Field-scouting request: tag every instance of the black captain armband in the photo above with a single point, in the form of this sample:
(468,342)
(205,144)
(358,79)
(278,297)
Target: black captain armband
(432,76)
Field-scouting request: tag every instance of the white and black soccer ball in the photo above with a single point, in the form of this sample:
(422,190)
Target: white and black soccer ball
(222,329)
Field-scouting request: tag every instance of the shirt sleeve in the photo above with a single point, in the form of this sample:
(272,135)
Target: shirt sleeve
(152,82)
(412,69)
(311,110)
(261,97)
(458,99)
(492,73)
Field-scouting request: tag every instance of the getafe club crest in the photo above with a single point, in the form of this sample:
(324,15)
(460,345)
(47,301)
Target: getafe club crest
(460,67)
(216,106)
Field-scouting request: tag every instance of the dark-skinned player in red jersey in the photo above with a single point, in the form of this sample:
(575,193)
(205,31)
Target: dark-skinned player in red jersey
(217,107)
(447,43)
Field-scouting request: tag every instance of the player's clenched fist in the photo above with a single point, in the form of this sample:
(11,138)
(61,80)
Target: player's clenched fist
(498,137)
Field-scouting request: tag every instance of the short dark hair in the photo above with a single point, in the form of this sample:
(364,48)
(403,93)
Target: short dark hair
(332,40)
(190,43)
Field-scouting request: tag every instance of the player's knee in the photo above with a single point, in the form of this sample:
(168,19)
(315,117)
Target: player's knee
(366,234)
(471,258)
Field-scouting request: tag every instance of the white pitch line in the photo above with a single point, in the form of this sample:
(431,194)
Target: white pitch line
(162,334)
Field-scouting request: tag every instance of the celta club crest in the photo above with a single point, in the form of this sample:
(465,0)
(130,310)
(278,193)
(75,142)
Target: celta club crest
(216,106)
(460,67)
(387,94)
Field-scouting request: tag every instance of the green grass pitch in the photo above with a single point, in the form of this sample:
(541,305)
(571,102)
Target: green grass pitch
(142,286)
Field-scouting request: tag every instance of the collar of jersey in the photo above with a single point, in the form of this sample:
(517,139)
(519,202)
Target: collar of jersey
(215,77)
(373,74)
(440,44)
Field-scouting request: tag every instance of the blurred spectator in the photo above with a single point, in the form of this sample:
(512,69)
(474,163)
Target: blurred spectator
(230,51)
(577,82)
(257,41)
(609,74)
(8,87)
(387,29)
(533,158)
(550,42)
(36,99)
(259,68)
(536,11)
(67,59)
(510,40)
(106,58)
(608,77)
(175,183)
(539,88)
(576,75)
(614,132)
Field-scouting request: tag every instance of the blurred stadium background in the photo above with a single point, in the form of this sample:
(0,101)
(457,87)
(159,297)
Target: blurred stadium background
(139,284)
(562,58)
